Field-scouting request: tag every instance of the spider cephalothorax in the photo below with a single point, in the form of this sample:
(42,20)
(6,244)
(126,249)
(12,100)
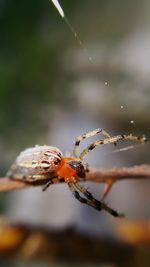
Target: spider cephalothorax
(75,166)
(47,163)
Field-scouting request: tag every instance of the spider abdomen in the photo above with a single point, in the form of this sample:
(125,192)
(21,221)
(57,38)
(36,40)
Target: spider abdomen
(36,163)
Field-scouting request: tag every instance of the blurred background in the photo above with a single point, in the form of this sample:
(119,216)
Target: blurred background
(51,92)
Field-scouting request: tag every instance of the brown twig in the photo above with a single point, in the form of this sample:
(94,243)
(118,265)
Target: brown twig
(115,174)
(94,175)
(7,184)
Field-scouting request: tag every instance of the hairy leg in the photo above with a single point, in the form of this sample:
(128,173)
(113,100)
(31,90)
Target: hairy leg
(112,140)
(85,136)
(90,200)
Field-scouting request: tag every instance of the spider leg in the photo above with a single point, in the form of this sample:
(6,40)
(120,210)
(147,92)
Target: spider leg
(112,140)
(49,182)
(76,194)
(85,136)
(90,200)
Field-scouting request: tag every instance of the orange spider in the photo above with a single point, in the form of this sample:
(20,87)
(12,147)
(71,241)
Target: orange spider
(47,163)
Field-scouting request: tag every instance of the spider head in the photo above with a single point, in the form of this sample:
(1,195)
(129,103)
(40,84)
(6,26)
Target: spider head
(78,166)
(71,167)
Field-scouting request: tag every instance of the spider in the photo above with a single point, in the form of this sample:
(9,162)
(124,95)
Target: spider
(46,163)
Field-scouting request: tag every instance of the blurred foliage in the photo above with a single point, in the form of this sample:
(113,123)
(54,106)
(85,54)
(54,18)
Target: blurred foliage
(33,245)
(33,37)
(25,82)
(28,67)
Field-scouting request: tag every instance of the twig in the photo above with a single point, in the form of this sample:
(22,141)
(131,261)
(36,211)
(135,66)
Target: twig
(115,174)
(7,184)
(94,175)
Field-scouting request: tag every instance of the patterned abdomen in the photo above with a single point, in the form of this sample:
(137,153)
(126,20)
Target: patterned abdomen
(36,163)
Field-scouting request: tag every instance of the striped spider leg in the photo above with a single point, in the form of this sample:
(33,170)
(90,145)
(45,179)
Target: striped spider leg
(107,140)
(85,136)
(90,200)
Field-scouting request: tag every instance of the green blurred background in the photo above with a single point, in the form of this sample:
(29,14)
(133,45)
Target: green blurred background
(50,92)
(42,67)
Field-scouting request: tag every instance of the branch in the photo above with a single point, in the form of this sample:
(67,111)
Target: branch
(103,175)
(94,175)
